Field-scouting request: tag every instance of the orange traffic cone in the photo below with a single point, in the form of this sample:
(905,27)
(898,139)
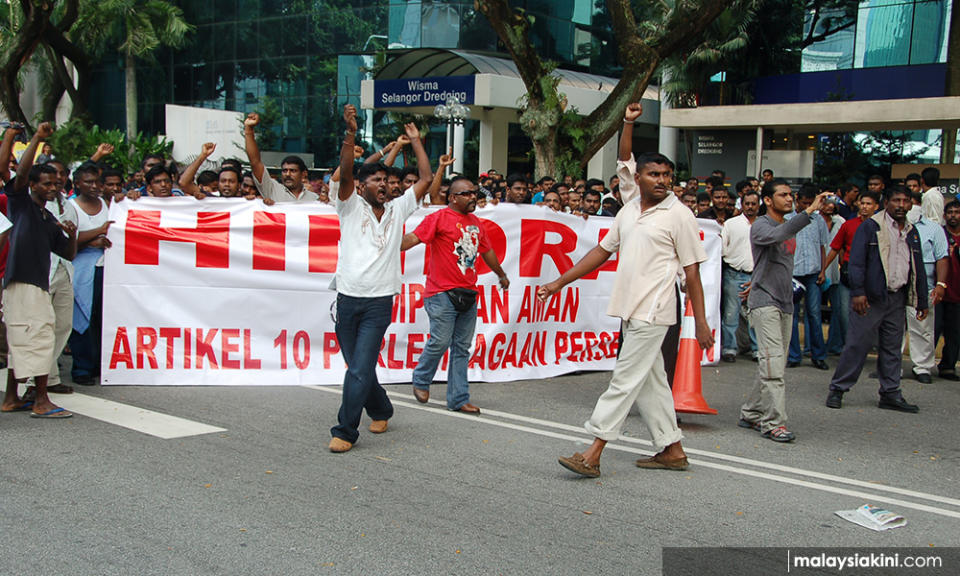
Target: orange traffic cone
(686,379)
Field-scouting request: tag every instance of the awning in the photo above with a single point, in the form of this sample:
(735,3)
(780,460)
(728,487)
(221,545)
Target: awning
(858,116)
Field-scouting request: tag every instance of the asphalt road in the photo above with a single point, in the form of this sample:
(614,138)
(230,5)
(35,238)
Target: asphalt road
(446,493)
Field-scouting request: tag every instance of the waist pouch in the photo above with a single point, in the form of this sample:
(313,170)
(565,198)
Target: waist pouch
(462,299)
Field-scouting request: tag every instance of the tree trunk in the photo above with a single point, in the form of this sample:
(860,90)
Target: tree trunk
(51,99)
(605,121)
(130,67)
(64,48)
(545,159)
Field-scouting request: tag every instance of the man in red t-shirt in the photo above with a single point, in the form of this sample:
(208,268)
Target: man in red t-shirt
(948,314)
(869,202)
(456,238)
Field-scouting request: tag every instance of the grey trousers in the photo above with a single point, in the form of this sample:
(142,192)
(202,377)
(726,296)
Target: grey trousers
(767,401)
(885,322)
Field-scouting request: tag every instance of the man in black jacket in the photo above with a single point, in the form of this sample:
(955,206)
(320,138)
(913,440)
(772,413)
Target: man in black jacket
(886,276)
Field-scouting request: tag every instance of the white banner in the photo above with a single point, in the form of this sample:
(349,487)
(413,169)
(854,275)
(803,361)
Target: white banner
(232,292)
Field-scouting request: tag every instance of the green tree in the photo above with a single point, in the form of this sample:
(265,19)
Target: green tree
(20,36)
(645,33)
(135,29)
(38,34)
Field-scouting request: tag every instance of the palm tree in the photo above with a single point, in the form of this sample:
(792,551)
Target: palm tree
(136,29)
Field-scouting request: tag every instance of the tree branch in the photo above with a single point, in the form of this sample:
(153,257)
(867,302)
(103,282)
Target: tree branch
(809,40)
(62,47)
(70,15)
(813,25)
(513,30)
(692,24)
(36,16)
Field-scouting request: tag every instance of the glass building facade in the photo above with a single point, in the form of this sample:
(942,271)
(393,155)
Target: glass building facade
(298,61)
(885,33)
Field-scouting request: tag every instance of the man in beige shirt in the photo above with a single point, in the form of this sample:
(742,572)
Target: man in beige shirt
(656,236)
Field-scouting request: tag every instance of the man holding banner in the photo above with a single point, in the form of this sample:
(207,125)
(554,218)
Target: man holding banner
(456,238)
(656,236)
(367,278)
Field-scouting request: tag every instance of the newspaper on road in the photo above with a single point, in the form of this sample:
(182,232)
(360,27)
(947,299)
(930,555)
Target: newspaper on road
(873,517)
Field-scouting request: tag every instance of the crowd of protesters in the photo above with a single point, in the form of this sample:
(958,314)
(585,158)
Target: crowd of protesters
(883,260)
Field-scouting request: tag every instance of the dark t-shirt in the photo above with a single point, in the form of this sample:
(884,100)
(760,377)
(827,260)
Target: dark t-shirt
(34,235)
(952,293)
(711,213)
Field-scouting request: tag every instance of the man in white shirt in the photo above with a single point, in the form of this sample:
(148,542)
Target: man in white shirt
(293,171)
(61,282)
(932,195)
(368,277)
(661,233)
(737,268)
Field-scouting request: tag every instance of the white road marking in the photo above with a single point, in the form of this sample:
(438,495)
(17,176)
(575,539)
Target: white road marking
(873,497)
(138,419)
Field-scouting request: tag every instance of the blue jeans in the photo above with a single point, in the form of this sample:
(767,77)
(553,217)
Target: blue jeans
(812,324)
(448,329)
(733,281)
(361,324)
(839,297)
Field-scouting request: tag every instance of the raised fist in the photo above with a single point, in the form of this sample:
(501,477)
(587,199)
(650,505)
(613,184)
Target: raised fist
(208,149)
(634,111)
(252,120)
(45,130)
(350,117)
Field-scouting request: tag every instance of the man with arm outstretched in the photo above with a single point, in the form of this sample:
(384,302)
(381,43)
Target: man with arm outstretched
(656,237)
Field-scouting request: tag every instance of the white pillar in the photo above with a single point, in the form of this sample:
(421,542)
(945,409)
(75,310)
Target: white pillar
(458,137)
(668,135)
(758,169)
(603,165)
(494,131)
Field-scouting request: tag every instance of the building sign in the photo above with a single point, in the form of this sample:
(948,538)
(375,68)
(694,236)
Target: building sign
(709,145)
(409,92)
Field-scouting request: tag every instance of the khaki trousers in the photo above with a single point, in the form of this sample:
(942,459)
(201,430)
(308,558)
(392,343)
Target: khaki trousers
(61,294)
(638,377)
(922,344)
(767,402)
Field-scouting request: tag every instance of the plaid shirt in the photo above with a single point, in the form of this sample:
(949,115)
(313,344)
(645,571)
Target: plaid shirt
(810,239)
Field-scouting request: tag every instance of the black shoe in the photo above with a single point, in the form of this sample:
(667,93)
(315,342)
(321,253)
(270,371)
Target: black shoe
(835,399)
(85,380)
(791,364)
(729,357)
(923,378)
(951,376)
(748,424)
(820,365)
(898,404)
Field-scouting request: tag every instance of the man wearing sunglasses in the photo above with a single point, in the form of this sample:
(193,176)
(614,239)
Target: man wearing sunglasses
(456,237)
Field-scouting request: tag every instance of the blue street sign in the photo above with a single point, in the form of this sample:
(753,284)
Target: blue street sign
(408,92)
